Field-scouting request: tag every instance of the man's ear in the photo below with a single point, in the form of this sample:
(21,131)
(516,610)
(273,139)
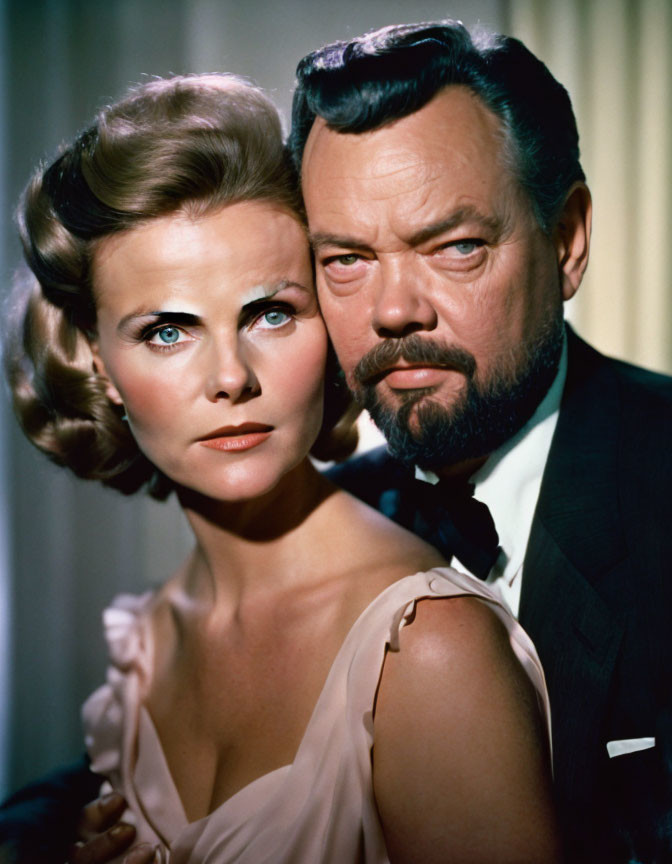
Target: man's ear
(112,393)
(571,237)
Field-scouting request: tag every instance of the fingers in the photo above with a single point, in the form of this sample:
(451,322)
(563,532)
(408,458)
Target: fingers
(142,854)
(106,846)
(99,815)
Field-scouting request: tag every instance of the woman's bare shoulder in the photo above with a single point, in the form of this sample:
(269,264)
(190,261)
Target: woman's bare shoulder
(449,645)
(459,742)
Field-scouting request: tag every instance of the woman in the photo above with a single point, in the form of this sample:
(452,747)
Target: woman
(267,704)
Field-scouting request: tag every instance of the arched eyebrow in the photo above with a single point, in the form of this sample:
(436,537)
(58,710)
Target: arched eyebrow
(321,239)
(158,317)
(261,294)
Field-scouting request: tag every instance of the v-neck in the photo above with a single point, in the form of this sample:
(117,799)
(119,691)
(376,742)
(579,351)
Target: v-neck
(320,808)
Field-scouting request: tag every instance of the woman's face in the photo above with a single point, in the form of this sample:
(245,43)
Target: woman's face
(210,335)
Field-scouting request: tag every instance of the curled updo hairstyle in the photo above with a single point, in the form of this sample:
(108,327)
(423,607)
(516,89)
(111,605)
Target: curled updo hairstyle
(194,144)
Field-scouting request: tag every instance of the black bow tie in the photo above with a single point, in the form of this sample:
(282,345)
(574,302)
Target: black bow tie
(448,516)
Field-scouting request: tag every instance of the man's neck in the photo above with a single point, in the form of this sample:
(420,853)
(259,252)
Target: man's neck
(461,471)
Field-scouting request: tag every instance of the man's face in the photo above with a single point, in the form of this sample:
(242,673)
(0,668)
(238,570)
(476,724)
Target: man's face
(441,293)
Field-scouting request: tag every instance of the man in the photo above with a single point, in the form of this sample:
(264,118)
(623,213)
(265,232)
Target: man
(450,221)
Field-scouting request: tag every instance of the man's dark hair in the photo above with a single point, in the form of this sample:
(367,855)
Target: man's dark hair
(390,73)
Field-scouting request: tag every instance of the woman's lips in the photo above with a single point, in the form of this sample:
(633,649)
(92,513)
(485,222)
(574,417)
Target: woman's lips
(237,438)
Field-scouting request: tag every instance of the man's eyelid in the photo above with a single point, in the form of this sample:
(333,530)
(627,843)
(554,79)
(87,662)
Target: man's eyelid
(458,241)
(359,254)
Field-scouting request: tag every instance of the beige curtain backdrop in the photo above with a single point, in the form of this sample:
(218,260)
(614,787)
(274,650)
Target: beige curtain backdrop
(615,58)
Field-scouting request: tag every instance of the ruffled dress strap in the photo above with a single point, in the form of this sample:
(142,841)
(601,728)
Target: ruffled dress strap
(113,716)
(321,808)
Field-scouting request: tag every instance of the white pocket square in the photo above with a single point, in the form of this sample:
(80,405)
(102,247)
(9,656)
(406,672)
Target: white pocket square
(629,745)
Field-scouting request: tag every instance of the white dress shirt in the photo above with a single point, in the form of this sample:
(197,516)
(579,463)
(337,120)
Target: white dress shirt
(509,483)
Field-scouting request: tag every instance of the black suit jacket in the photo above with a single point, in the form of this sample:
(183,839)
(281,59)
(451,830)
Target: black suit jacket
(596,600)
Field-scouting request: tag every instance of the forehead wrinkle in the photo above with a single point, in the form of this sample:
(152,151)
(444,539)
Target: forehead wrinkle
(393,181)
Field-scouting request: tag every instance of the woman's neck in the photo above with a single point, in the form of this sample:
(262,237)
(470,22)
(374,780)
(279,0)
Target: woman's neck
(243,546)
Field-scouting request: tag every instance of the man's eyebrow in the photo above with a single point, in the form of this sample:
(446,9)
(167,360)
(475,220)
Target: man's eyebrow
(320,239)
(464,214)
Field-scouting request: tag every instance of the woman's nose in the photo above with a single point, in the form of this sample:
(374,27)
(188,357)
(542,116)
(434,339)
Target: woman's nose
(230,375)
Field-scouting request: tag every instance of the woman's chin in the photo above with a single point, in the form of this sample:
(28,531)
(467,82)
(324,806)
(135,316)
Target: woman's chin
(237,487)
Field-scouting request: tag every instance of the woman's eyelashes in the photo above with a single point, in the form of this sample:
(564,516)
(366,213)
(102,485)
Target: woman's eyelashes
(166,337)
(172,334)
(168,331)
(268,315)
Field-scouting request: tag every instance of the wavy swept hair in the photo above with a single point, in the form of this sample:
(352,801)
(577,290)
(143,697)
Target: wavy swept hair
(186,143)
(392,72)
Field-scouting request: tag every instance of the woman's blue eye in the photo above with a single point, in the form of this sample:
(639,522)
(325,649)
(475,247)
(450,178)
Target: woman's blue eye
(275,317)
(168,335)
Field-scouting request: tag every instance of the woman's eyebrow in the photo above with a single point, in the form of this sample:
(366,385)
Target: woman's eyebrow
(262,293)
(159,316)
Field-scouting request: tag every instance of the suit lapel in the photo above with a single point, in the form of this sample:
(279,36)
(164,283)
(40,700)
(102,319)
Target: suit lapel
(576,540)
(578,640)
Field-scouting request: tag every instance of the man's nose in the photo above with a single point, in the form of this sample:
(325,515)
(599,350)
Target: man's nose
(230,374)
(401,305)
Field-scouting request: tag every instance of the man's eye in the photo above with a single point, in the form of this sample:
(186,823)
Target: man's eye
(347,260)
(466,247)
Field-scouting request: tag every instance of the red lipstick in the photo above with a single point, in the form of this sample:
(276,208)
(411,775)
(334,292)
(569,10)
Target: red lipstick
(237,438)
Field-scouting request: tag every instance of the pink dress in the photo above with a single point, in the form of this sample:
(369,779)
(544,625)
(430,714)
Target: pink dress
(318,810)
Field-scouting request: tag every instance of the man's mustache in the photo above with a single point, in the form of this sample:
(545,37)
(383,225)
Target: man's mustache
(414,349)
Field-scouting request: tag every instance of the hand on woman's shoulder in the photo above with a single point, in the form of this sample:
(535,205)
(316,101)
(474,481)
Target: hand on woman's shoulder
(460,762)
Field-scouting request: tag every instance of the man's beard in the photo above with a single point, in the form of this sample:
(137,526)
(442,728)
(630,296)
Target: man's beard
(486,415)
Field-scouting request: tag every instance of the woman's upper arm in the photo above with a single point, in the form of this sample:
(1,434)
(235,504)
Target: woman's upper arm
(461,768)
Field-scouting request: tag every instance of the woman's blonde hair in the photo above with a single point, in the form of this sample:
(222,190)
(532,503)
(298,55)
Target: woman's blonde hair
(194,143)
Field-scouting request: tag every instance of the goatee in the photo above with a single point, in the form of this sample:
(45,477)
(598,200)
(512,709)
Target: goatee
(423,431)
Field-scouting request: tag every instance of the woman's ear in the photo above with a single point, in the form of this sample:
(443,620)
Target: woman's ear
(571,237)
(99,366)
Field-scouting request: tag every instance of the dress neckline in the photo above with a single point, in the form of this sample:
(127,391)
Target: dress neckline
(151,751)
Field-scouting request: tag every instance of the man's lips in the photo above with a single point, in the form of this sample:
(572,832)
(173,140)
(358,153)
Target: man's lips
(414,376)
(242,437)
